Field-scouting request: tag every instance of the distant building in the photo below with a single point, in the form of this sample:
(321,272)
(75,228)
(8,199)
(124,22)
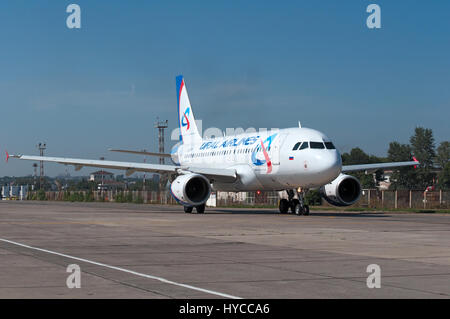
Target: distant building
(111,184)
(101,176)
(386,183)
(14,192)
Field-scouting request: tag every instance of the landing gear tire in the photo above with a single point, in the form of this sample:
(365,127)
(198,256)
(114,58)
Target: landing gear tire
(298,209)
(284,206)
(294,203)
(200,209)
(188,209)
(306,210)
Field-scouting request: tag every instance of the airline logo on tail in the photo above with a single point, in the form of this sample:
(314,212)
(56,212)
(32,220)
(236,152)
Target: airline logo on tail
(266,160)
(185,119)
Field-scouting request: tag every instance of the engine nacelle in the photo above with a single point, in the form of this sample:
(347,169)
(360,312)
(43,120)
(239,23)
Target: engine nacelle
(191,189)
(345,190)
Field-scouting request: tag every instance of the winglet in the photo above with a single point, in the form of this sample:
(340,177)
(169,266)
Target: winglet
(415,160)
(7,156)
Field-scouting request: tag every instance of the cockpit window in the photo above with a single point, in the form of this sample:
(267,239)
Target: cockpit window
(296,146)
(329,146)
(304,145)
(317,145)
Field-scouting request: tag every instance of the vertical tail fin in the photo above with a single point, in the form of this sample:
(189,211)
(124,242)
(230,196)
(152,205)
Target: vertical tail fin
(188,129)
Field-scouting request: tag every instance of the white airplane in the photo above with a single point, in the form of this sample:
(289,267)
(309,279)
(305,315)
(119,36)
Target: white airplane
(291,160)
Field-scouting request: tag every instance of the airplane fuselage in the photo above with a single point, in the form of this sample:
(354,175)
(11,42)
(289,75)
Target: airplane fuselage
(271,160)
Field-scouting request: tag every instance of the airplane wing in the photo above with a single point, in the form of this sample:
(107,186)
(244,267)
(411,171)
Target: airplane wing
(141,153)
(218,174)
(374,167)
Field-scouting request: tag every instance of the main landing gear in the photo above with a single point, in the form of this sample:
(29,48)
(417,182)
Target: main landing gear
(296,205)
(200,209)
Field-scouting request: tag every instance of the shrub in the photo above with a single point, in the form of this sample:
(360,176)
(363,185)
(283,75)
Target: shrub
(139,200)
(89,197)
(313,198)
(41,195)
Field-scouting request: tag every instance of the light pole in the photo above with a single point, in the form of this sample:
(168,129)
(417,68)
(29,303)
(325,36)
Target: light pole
(41,147)
(145,160)
(35,165)
(102,172)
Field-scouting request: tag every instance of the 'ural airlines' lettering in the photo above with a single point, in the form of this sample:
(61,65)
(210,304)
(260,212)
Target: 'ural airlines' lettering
(229,143)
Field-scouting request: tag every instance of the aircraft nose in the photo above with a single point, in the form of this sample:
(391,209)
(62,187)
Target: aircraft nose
(329,166)
(333,164)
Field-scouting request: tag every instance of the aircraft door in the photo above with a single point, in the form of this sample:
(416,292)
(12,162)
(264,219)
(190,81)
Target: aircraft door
(276,147)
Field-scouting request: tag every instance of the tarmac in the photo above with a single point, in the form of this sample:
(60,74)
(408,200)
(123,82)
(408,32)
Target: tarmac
(150,251)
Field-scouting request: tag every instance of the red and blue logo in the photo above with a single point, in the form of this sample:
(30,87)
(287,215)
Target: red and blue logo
(261,148)
(185,119)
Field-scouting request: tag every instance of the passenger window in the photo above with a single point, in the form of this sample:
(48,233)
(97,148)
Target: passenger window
(304,145)
(296,146)
(329,146)
(317,145)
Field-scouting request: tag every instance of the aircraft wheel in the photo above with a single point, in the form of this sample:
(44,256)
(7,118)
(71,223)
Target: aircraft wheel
(298,209)
(284,206)
(188,209)
(200,209)
(306,210)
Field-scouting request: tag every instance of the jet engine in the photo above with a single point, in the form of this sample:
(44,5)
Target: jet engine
(191,189)
(345,190)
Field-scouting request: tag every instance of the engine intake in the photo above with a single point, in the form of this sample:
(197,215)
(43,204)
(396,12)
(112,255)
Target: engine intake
(191,189)
(345,190)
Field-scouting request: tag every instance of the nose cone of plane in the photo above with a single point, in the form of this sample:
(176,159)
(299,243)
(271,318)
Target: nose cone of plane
(328,166)
(333,164)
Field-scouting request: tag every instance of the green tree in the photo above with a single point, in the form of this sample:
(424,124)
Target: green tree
(404,177)
(443,154)
(399,152)
(444,177)
(422,145)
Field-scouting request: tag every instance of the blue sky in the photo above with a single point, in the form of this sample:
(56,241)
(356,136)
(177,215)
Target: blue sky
(246,64)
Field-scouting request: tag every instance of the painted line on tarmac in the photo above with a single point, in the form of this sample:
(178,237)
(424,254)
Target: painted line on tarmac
(211,292)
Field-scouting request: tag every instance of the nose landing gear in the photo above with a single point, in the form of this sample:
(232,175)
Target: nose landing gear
(296,205)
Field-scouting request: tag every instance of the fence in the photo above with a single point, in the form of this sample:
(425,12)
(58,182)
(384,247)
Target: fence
(150,197)
(370,198)
(417,199)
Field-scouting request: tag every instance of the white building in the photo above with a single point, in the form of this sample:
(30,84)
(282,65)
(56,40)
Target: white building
(99,176)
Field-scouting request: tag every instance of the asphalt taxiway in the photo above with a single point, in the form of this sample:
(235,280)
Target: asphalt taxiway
(149,251)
